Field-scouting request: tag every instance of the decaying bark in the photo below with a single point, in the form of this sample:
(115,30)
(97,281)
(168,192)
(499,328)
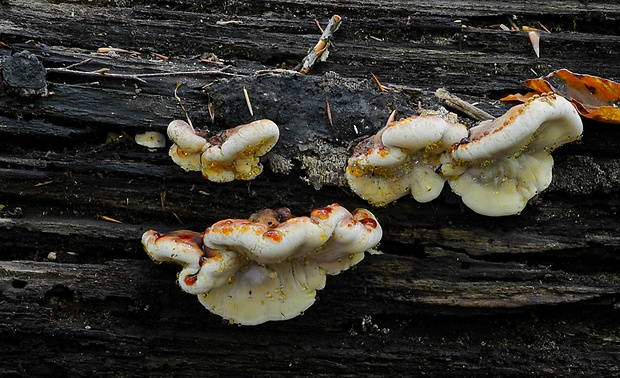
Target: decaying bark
(453,293)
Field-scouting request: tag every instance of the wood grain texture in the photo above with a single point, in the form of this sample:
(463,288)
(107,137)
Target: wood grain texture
(453,294)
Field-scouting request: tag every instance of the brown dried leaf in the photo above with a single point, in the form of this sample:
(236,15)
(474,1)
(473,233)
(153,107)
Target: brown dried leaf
(593,97)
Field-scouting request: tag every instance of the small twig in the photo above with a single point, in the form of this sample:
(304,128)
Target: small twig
(535,41)
(318,25)
(162,198)
(160,56)
(191,73)
(105,50)
(329,112)
(279,71)
(231,22)
(320,51)
(106,218)
(176,217)
(391,118)
(176,88)
(453,102)
(65,71)
(78,63)
(247,101)
(211,110)
(44,183)
(381,87)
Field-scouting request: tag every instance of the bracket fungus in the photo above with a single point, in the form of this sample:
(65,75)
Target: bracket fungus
(267,267)
(507,161)
(231,154)
(187,145)
(402,158)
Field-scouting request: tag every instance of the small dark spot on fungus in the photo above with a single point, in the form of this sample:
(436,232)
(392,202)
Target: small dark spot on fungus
(284,214)
(464,141)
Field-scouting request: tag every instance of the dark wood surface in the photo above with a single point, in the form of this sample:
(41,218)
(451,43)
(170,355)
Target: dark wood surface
(453,294)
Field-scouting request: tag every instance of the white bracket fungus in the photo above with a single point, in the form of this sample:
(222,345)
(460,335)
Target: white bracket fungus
(507,161)
(268,267)
(232,154)
(187,145)
(402,158)
(151,139)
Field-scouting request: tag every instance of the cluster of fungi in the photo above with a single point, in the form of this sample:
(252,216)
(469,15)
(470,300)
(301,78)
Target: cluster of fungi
(268,267)
(496,166)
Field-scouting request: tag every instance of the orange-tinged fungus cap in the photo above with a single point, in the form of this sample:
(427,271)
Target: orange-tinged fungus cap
(267,267)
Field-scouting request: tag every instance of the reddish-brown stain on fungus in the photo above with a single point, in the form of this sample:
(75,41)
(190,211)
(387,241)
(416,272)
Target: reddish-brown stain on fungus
(321,213)
(180,152)
(274,235)
(225,227)
(369,222)
(191,238)
(262,269)
(190,279)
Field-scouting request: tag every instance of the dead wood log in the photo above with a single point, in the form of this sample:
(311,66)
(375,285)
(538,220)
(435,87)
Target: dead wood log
(453,293)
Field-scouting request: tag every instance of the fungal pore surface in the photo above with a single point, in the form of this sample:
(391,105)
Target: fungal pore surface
(267,267)
(231,154)
(507,161)
(402,158)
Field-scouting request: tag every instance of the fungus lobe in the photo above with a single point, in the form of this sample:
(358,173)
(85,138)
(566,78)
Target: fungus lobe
(507,161)
(231,154)
(402,158)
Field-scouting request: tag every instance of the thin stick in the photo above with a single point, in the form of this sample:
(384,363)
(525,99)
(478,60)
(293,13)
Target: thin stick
(329,112)
(105,50)
(391,118)
(106,218)
(191,73)
(453,102)
(279,71)
(247,101)
(78,63)
(318,25)
(320,51)
(211,110)
(381,87)
(181,103)
(162,197)
(65,71)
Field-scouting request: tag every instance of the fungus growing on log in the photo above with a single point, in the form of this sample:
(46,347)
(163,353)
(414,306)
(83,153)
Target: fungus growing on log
(229,155)
(187,145)
(267,267)
(151,139)
(402,158)
(507,161)
(235,153)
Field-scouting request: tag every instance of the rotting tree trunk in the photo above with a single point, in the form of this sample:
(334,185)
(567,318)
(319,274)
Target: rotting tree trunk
(454,293)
